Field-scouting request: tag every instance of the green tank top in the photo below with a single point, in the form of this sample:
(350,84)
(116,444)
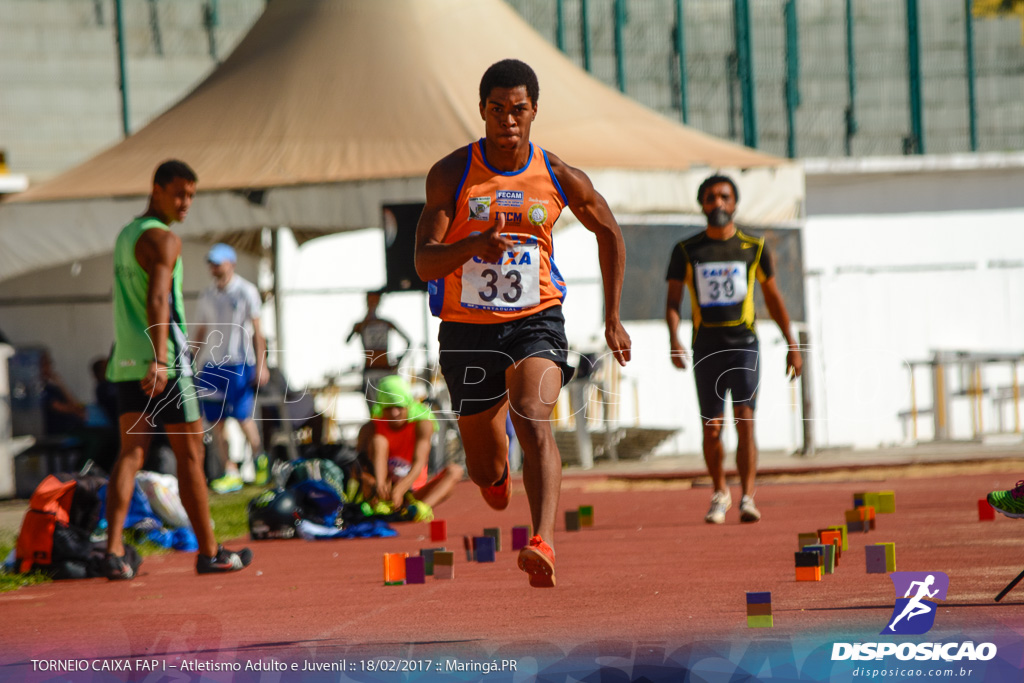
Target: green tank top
(133,350)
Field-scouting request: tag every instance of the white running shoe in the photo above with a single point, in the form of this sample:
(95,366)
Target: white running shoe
(720,502)
(748,511)
(247,471)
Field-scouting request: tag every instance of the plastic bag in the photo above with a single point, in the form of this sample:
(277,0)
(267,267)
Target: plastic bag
(162,493)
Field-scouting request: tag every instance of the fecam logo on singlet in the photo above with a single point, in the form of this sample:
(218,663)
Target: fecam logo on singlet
(914,613)
(509,198)
(479,208)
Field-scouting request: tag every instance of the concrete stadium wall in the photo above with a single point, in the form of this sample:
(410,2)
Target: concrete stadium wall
(59,96)
(904,259)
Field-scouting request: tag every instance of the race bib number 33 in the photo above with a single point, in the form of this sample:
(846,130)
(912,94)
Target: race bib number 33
(721,283)
(511,285)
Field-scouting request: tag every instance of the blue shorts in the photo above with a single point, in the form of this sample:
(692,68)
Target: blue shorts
(227,391)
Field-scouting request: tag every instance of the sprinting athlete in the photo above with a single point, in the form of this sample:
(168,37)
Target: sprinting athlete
(720,266)
(151,368)
(484,244)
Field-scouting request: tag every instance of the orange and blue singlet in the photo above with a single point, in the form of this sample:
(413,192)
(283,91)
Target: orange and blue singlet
(526,280)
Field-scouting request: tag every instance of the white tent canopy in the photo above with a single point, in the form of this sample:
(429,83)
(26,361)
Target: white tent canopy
(329,108)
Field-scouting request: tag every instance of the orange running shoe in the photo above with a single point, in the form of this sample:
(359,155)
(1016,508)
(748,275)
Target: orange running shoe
(497,496)
(538,560)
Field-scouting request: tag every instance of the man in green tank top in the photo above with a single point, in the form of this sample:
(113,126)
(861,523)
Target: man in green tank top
(151,367)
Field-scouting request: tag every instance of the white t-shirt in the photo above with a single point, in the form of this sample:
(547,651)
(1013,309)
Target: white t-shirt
(227,315)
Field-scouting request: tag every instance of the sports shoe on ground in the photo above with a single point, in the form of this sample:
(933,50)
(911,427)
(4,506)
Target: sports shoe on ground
(1009,503)
(749,511)
(720,502)
(538,560)
(247,471)
(497,496)
(413,511)
(416,511)
(227,484)
(420,511)
(262,469)
(117,568)
(224,561)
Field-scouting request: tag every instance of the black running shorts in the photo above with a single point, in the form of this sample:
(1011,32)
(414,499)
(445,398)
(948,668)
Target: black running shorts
(474,357)
(735,370)
(176,404)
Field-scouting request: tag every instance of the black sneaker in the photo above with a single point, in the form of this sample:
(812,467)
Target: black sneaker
(224,561)
(117,568)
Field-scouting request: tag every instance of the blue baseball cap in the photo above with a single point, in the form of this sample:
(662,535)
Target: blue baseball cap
(221,253)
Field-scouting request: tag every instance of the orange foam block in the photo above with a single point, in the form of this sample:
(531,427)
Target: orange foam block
(394,569)
(808,573)
(834,537)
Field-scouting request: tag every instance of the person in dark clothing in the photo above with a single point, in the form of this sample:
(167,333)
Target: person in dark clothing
(62,413)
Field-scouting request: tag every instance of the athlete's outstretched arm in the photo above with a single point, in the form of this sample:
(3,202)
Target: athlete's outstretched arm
(157,251)
(434,259)
(593,212)
(777,310)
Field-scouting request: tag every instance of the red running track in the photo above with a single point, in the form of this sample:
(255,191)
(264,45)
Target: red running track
(648,575)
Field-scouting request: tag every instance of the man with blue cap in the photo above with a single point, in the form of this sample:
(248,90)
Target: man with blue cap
(234,350)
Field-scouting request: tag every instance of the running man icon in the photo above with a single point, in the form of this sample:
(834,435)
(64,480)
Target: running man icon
(925,587)
(915,607)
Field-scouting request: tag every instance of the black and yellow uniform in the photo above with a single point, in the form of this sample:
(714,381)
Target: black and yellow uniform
(721,275)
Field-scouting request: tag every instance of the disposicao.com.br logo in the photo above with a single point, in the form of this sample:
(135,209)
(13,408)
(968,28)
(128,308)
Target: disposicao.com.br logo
(914,614)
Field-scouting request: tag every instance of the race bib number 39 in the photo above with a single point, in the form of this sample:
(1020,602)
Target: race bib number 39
(511,285)
(721,283)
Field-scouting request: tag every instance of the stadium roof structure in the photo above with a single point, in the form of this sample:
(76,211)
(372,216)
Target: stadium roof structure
(328,109)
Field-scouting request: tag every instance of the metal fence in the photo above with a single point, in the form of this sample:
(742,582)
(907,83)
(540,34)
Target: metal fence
(810,78)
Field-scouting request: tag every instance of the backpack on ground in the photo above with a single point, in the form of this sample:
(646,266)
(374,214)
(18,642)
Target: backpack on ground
(63,512)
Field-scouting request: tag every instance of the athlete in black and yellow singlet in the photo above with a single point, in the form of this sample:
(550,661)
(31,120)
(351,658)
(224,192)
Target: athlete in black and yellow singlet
(720,266)
(721,274)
